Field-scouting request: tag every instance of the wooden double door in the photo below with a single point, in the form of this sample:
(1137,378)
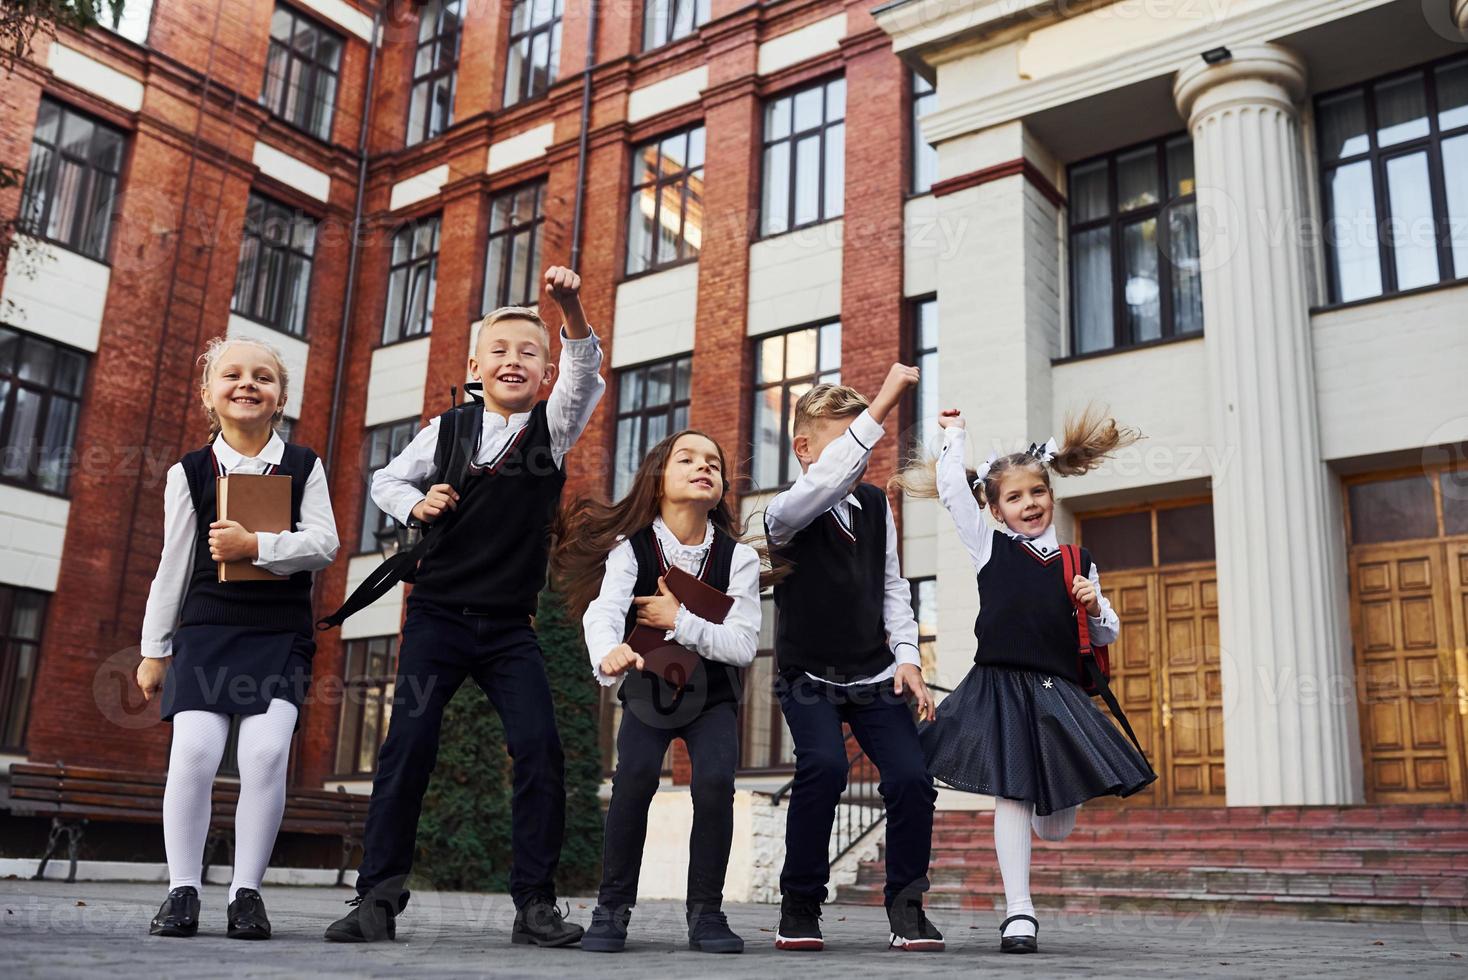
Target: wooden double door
(1409,618)
(1166,674)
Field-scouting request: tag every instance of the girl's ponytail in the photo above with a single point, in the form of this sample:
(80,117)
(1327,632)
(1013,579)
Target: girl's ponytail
(1090,436)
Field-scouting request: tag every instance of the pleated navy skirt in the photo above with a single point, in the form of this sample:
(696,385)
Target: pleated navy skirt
(1031,737)
(236,670)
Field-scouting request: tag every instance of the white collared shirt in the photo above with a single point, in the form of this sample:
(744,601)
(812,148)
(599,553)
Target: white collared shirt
(311,546)
(977,536)
(732,642)
(826,485)
(399,486)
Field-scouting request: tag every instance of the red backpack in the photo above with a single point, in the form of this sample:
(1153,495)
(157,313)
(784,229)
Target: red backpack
(1098,657)
(1095,661)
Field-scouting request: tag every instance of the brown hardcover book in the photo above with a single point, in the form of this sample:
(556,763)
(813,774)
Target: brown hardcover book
(674,662)
(259,503)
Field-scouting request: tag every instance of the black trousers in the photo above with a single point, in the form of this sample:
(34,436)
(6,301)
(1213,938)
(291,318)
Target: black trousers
(440,648)
(712,738)
(883,726)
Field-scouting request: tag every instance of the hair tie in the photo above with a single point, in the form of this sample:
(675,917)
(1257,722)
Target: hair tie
(1043,453)
(983,471)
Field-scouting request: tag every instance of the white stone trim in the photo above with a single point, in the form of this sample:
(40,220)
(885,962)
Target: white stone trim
(32,532)
(56,293)
(655,316)
(520,148)
(395,381)
(801,44)
(343,15)
(795,278)
(290,171)
(411,190)
(670,93)
(293,350)
(91,75)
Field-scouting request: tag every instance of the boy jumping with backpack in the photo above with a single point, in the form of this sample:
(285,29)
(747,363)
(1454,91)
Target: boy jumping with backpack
(485,483)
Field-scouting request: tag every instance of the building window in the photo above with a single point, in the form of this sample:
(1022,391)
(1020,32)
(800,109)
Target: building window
(665,21)
(1134,265)
(130,22)
(805,157)
(766,742)
(924,154)
(368,676)
(1163,535)
(535,49)
(652,403)
(273,280)
(411,280)
(40,400)
(71,180)
(512,265)
(923,434)
(925,611)
(22,611)
(384,442)
(787,365)
(665,223)
(301,71)
(1394,158)
(431,107)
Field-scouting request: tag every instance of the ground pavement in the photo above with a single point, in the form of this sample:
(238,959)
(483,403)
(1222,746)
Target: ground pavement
(90,929)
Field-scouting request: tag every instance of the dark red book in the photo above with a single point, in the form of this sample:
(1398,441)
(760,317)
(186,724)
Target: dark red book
(671,661)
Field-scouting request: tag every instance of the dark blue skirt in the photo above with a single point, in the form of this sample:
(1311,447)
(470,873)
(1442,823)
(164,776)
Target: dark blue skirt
(236,670)
(1032,737)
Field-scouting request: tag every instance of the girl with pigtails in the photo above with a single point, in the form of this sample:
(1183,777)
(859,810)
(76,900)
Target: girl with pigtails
(1020,727)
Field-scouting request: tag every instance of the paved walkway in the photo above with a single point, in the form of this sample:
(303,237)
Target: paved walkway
(89,929)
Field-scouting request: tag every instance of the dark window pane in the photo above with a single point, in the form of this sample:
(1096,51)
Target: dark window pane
(1392,510)
(1454,488)
(1120,541)
(1187,280)
(1089,195)
(1185,534)
(1136,179)
(1452,95)
(1091,271)
(1143,293)
(1180,167)
(1401,110)
(1342,120)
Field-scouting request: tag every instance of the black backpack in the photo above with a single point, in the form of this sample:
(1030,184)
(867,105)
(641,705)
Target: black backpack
(458,438)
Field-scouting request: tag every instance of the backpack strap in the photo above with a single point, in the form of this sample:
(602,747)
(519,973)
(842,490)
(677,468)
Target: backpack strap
(1070,558)
(458,438)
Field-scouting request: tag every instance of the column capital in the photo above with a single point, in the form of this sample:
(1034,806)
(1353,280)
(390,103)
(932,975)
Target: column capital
(1255,73)
(1460,14)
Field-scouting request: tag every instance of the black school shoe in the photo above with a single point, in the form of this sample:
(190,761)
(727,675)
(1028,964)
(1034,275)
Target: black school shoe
(1019,944)
(800,925)
(608,932)
(369,921)
(709,932)
(247,919)
(911,930)
(179,914)
(541,923)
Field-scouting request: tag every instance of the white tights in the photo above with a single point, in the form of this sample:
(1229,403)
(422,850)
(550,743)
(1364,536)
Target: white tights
(198,746)
(1013,821)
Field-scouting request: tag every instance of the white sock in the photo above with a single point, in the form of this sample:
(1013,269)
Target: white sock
(1012,845)
(1055,826)
(265,750)
(198,745)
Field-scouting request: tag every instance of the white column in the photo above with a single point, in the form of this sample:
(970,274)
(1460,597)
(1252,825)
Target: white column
(1289,733)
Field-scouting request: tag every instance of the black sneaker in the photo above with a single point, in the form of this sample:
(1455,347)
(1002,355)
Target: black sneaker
(542,923)
(709,932)
(369,921)
(608,932)
(179,914)
(800,924)
(247,919)
(911,930)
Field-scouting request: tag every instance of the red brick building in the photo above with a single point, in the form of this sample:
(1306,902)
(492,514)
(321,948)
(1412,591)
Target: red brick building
(201,171)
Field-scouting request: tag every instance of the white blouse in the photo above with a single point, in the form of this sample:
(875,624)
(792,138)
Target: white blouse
(977,536)
(311,546)
(732,642)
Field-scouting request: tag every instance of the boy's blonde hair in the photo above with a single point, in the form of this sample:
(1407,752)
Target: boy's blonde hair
(515,313)
(215,349)
(828,401)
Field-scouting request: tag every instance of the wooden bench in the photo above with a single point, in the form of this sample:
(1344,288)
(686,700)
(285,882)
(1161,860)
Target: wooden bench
(73,796)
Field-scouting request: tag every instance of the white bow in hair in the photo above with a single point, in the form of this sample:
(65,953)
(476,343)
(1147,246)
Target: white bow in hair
(983,470)
(1043,453)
